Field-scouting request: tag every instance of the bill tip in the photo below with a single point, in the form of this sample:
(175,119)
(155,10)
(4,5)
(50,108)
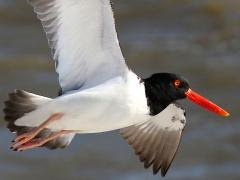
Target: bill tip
(227,114)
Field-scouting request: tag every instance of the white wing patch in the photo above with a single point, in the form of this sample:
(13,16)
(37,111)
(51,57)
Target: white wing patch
(156,141)
(83,39)
(171,118)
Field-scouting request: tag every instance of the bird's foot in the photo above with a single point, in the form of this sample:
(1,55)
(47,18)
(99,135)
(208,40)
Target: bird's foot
(29,136)
(33,143)
(24,138)
(29,145)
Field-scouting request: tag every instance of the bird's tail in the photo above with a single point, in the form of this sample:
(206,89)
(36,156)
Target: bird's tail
(20,103)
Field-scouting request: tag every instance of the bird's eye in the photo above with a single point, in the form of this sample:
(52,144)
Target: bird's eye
(177,83)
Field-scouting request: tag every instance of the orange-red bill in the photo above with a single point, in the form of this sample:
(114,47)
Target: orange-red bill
(205,103)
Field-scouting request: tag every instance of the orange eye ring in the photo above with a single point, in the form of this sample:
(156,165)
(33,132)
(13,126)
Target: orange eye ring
(177,83)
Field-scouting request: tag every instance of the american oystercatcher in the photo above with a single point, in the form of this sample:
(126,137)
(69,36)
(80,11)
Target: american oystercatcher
(99,92)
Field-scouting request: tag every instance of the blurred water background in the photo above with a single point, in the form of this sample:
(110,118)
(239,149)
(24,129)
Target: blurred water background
(198,39)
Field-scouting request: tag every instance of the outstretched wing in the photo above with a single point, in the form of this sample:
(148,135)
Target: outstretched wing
(83,40)
(156,141)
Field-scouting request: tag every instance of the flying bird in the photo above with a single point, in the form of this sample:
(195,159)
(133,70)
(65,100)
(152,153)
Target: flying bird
(99,92)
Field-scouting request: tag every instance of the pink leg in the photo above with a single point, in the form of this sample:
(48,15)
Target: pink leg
(26,137)
(41,141)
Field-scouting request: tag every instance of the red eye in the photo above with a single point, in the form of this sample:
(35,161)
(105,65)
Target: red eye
(177,83)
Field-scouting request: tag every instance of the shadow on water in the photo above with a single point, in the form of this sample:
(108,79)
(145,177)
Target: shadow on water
(198,39)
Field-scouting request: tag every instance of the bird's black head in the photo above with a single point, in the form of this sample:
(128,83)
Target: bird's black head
(163,89)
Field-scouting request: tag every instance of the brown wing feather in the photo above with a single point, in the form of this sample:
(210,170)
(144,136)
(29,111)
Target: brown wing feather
(156,143)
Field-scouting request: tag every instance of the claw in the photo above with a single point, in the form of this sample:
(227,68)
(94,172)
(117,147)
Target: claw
(24,138)
(30,144)
(38,142)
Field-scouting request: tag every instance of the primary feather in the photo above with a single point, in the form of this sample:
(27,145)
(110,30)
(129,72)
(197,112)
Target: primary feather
(156,141)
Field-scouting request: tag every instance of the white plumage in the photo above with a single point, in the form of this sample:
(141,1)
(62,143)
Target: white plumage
(83,39)
(115,104)
(99,92)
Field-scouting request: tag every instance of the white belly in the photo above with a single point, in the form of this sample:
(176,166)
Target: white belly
(100,120)
(113,105)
